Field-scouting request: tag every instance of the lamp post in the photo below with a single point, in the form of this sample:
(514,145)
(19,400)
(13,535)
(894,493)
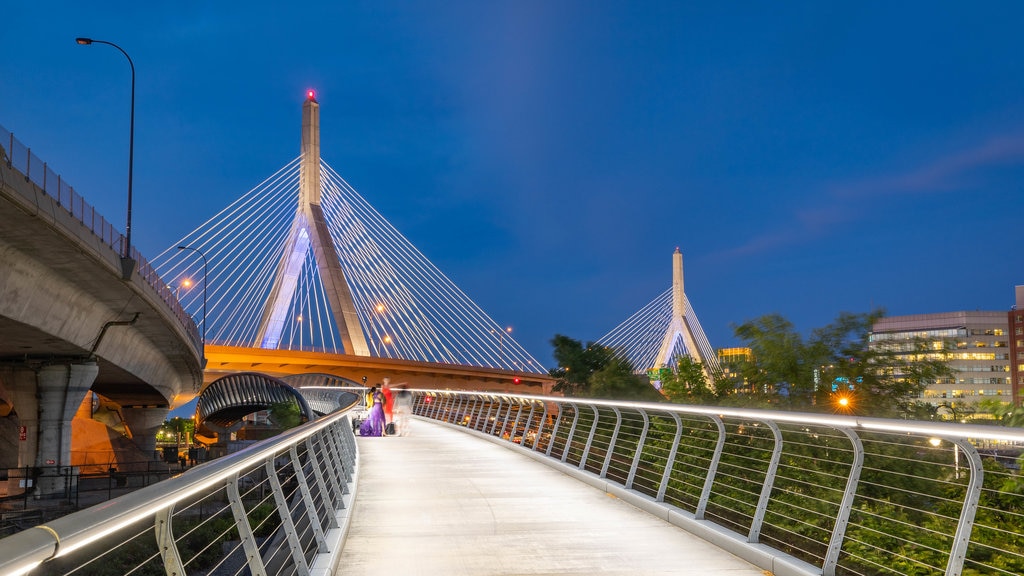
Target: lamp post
(501,344)
(206,280)
(127,262)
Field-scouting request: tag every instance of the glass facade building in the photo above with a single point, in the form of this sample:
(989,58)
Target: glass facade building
(975,345)
(1015,319)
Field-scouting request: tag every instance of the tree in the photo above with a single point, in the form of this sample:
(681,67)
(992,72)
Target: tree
(576,364)
(286,414)
(180,429)
(777,369)
(838,362)
(882,380)
(686,382)
(596,371)
(616,380)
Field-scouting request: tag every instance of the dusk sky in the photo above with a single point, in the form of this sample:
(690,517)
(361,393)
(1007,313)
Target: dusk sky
(808,158)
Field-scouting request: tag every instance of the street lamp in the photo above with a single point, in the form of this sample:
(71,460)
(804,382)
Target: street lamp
(127,262)
(206,280)
(501,344)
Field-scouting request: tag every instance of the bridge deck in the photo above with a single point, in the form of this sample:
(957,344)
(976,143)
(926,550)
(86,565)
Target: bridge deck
(439,501)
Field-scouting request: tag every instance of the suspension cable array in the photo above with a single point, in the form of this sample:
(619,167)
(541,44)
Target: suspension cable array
(407,308)
(639,337)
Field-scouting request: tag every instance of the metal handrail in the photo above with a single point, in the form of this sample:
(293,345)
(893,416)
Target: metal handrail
(20,158)
(306,475)
(815,493)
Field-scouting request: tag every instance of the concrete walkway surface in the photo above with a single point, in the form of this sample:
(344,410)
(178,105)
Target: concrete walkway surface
(442,502)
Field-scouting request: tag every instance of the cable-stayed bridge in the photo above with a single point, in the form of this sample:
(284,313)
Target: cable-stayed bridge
(664,330)
(303,264)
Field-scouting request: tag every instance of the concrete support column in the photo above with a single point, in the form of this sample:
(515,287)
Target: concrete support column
(144,422)
(62,387)
(20,383)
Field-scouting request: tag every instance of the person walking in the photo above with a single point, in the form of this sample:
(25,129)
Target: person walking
(389,404)
(403,407)
(374,424)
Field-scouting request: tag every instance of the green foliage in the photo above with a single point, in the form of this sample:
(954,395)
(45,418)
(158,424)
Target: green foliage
(286,414)
(596,371)
(686,383)
(178,428)
(837,361)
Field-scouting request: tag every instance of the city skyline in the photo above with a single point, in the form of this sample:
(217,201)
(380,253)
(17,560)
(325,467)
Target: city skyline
(549,158)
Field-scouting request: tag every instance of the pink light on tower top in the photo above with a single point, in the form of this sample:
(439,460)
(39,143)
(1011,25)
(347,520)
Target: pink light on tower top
(311,95)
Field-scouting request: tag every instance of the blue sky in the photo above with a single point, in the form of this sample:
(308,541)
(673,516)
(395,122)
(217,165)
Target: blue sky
(807,157)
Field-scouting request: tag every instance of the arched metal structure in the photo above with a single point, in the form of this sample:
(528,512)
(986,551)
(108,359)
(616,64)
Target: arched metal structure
(229,399)
(326,393)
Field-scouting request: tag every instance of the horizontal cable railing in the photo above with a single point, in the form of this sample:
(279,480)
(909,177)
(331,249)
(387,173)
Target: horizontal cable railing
(830,495)
(277,507)
(20,158)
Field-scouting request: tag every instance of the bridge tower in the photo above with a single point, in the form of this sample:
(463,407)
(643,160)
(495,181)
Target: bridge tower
(309,231)
(655,336)
(679,329)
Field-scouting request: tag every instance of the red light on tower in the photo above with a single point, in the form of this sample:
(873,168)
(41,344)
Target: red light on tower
(310,95)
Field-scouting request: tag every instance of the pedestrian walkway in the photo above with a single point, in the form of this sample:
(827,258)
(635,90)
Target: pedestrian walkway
(441,501)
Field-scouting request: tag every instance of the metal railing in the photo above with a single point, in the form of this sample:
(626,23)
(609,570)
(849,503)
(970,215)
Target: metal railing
(20,158)
(789,492)
(278,507)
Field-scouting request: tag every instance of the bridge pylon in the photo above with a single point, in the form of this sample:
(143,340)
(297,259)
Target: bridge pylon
(680,335)
(664,330)
(309,231)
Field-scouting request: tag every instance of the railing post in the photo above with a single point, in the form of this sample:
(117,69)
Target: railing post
(962,537)
(671,460)
(459,408)
(254,561)
(307,497)
(590,437)
(572,431)
(321,484)
(612,441)
(287,524)
(515,425)
(165,541)
(540,426)
(339,468)
(529,422)
(835,544)
(639,449)
(769,482)
(486,420)
(709,481)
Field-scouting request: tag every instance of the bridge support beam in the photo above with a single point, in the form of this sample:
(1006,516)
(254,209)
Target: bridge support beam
(20,382)
(144,422)
(61,389)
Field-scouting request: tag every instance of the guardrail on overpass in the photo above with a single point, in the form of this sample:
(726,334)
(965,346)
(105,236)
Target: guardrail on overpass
(19,157)
(796,494)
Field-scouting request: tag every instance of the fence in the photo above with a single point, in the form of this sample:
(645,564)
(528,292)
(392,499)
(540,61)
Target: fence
(19,157)
(792,493)
(278,507)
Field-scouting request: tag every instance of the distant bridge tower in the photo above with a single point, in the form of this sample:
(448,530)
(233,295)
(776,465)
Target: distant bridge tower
(680,331)
(667,328)
(309,230)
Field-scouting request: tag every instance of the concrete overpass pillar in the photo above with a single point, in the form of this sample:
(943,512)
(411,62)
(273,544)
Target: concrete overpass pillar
(61,387)
(20,383)
(144,422)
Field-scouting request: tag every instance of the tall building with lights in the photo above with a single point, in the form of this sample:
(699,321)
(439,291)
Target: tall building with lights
(1015,319)
(976,345)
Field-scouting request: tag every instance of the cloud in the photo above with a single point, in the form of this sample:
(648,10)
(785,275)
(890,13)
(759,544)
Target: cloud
(844,203)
